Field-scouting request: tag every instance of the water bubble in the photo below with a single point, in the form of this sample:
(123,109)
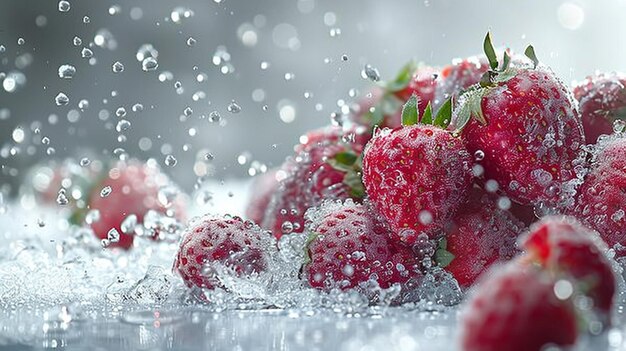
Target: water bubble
(18,135)
(209,156)
(113,235)
(105,39)
(117,67)
(491,186)
(129,224)
(479,155)
(86,19)
(61,99)
(179,14)
(3,48)
(122,125)
(167,195)
(105,243)
(233,107)
(214,116)
(370,73)
(137,107)
(21,41)
(62,198)
(188,111)
(106,191)
(170,161)
(86,53)
(344,57)
(64,6)
(425,217)
(145,51)
(286,227)
(619,125)
(114,10)
(50,151)
(149,64)
(265,65)
(45,140)
(77,41)
(84,162)
(191,41)
(67,71)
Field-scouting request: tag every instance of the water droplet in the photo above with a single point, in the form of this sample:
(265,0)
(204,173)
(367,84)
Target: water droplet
(45,140)
(170,160)
(214,116)
(41,223)
(114,10)
(67,71)
(117,67)
(50,151)
(265,65)
(3,48)
(77,41)
(188,111)
(233,107)
(370,73)
(120,112)
(21,41)
(179,14)
(128,224)
(166,195)
(106,191)
(137,107)
(62,198)
(84,162)
(18,135)
(86,53)
(105,243)
(286,227)
(191,41)
(113,235)
(92,216)
(619,125)
(64,6)
(86,19)
(344,57)
(122,125)
(479,155)
(149,64)
(61,99)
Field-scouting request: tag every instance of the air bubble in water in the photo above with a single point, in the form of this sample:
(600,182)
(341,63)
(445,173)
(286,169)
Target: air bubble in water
(92,216)
(106,191)
(286,227)
(64,6)
(18,135)
(128,224)
(118,67)
(114,10)
(67,71)
(191,41)
(214,116)
(122,125)
(61,99)
(170,160)
(145,51)
(619,125)
(62,198)
(479,155)
(344,57)
(370,73)
(209,156)
(21,41)
(149,64)
(233,107)
(84,162)
(113,235)
(188,111)
(86,19)
(86,53)
(77,41)
(179,14)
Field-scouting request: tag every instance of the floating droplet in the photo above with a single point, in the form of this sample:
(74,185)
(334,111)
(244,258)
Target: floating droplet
(118,67)
(62,198)
(214,116)
(619,125)
(122,125)
(120,112)
(187,111)
(233,107)
(479,155)
(128,224)
(137,107)
(92,216)
(64,6)
(18,135)
(84,161)
(61,99)
(77,41)
(191,41)
(370,73)
(86,53)
(170,160)
(67,71)
(106,191)
(113,235)
(149,64)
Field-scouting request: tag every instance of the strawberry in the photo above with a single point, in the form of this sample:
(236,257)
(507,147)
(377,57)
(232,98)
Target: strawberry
(323,168)
(130,188)
(570,251)
(479,235)
(417,175)
(349,245)
(239,245)
(525,122)
(602,197)
(261,191)
(515,308)
(460,75)
(602,101)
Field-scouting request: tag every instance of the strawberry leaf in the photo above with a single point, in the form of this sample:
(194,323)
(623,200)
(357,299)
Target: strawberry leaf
(353,181)
(443,257)
(444,115)
(403,78)
(346,158)
(410,113)
(307,257)
(530,53)
(506,61)
(470,105)
(490,52)
(427,118)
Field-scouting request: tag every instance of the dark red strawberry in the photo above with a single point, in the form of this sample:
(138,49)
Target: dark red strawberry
(349,246)
(601,203)
(480,235)
(515,308)
(131,188)
(239,245)
(417,175)
(525,122)
(569,251)
(324,168)
(261,191)
(602,101)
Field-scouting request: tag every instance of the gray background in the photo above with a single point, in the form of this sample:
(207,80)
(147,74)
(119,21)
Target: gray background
(384,34)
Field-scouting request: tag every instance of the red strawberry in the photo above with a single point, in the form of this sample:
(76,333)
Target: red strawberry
(602,100)
(569,251)
(460,75)
(239,245)
(133,189)
(349,246)
(515,308)
(324,168)
(602,197)
(261,191)
(526,124)
(479,235)
(416,176)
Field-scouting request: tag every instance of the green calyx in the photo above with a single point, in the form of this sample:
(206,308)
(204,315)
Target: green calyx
(350,164)
(498,73)
(443,257)
(411,115)
(307,258)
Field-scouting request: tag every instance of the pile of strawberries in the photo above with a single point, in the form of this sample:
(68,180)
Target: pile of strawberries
(447,169)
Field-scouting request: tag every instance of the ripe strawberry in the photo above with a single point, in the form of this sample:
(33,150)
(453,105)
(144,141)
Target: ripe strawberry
(460,75)
(602,101)
(569,251)
(349,245)
(323,168)
(134,190)
(602,197)
(526,124)
(515,308)
(417,175)
(261,191)
(479,235)
(239,245)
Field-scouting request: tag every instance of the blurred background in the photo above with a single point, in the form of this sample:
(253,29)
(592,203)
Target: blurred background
(241,80)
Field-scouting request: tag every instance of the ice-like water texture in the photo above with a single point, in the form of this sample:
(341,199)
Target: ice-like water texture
(60,289)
